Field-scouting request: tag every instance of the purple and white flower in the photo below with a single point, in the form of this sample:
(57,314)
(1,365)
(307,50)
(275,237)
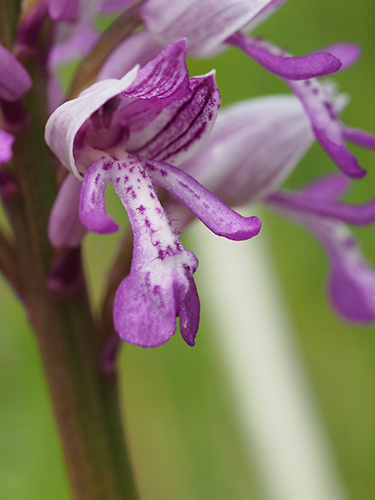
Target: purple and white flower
(210,24)
(252,149)
(133,132)
(324,107)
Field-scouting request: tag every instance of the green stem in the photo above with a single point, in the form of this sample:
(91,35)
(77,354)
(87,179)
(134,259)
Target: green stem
(84,398)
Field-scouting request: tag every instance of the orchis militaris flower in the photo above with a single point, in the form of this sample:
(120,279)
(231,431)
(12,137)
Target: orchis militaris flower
(209,24)
(251,150)
(133,132)
(323,108)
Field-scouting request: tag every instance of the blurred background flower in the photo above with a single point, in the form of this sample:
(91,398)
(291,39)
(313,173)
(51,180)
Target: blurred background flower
(186,428)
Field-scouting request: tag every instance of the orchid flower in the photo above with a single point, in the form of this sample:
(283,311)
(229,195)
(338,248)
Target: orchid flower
(133,132)
(323,107)
(210,24)
(252,149)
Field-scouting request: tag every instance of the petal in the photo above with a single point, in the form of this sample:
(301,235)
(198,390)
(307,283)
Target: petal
(321,108)
(351,282)
(64,227)
(160,286)
(189,315)
(6,143)
(65,122)
(182,126)
(319,198)
(148,301)
(359,137)
(253,147)
(329,187)
(163,76)
(280,63)
(347,52)
(92,212)
(220,219)
(205,23)
(14,79)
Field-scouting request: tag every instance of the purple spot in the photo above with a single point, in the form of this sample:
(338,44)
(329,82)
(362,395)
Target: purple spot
(126,178)
(97,179)
(206,205)
(92,197)
(117,180)
(152,196)
(107,165)
(163,172)
(141,209)
(138,180)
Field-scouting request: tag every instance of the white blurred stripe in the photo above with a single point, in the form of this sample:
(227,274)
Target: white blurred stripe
(275,404)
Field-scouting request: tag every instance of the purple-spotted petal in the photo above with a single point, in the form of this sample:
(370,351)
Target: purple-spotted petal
(65,122)
(149,300)
(181,127)
(160,286)
(6,143)
(14,79)
(92,212)
(205,23)
(65,228)
(280,63)
(219,218)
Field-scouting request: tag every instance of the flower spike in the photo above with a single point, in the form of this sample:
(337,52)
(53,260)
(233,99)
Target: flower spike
(134,132)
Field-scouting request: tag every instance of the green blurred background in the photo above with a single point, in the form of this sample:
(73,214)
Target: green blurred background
(182,425)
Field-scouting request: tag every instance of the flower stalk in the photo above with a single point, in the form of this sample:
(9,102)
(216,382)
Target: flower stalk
(85,400)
